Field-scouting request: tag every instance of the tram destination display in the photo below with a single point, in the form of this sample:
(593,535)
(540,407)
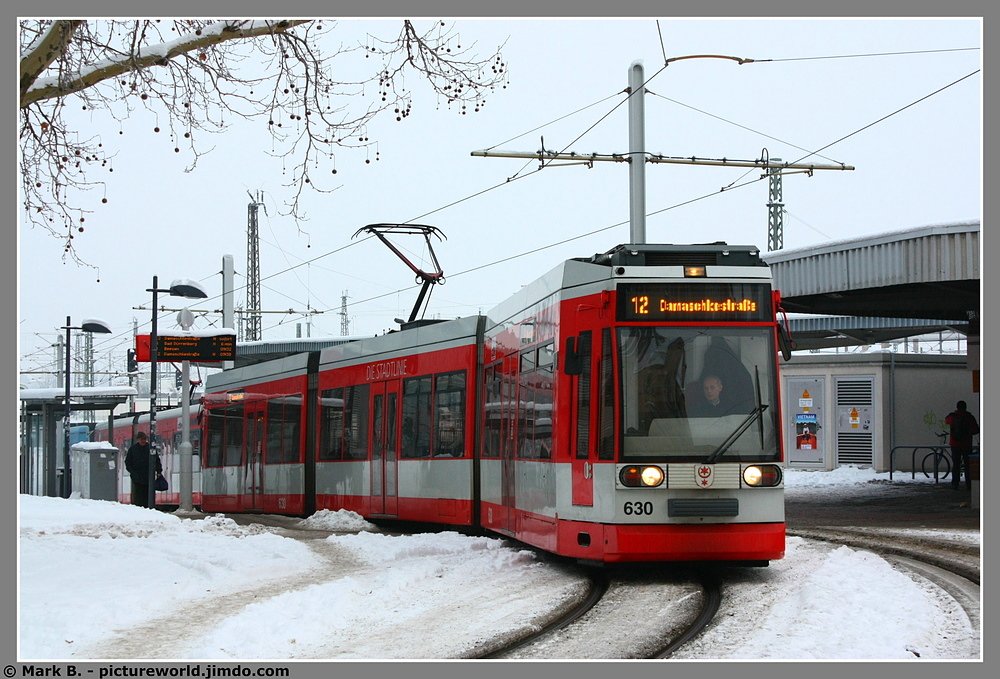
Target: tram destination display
(688,302)
(195,348)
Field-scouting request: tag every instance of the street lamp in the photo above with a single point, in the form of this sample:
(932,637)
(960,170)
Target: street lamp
(189,290)
(89,325)
(185,319)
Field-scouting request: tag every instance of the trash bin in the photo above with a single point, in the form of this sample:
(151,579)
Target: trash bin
(95,470)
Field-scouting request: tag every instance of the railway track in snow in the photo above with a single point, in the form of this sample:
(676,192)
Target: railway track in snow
(961,558)
(945,562)
(657,616)
(652,612)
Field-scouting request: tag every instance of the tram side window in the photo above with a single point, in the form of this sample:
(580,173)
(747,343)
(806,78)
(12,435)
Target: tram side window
(583,398)
(356,421)
(491,413)
(449,414)
(290,428)
(606,413)
(417,417)
(283,415)
(343,423)
(225,436)
(331,424)
(275,420)
(216,433)
(526,405)
(545,396)
(233,436)
(535,403)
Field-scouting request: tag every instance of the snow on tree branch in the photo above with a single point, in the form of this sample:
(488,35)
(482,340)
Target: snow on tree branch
(199,74)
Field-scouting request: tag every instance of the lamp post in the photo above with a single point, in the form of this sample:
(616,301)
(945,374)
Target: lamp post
(190,290)
(185,319)
(88,325)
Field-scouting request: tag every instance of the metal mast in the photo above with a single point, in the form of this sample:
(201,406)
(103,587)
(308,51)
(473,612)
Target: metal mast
(775,210)
(637,154)
(345,322)
(60,362)
(88,357)
(637,157)
(253,269)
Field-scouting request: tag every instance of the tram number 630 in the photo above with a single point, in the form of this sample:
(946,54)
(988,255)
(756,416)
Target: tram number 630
(638,508)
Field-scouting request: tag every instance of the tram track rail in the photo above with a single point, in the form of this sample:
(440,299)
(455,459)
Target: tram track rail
(711,601)
(598,586)
(945,561)
(951,566)
(665,625)
(663,631)
(959,558)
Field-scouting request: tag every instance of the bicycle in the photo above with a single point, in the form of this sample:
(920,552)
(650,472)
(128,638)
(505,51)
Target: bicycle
(940,467)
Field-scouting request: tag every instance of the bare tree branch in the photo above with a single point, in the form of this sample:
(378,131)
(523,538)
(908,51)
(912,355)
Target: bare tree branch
(49,46)
(144,57)
(198,75)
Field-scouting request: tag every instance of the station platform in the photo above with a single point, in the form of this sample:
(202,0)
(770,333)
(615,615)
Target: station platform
(901,503)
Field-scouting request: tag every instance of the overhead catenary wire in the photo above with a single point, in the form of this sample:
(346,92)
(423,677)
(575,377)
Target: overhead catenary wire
(743,127)
(865,55)
(520,176)
(809,154)
(663,47)
(672,207)
(122,337)
(886,117)
(690,201)
(557,243)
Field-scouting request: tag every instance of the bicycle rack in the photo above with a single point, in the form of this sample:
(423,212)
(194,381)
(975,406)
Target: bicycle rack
(937,450)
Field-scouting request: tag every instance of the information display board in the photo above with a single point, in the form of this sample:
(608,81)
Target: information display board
(195,348)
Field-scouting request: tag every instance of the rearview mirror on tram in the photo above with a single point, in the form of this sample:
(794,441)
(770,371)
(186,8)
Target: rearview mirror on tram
(572,363)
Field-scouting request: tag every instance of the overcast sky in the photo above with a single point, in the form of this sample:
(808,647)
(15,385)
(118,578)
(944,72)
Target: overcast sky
(811,88)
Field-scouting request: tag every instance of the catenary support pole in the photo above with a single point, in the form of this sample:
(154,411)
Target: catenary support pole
(637,153)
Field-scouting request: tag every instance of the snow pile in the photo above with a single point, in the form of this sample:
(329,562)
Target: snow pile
(340,521)
(432,595)
(105,567)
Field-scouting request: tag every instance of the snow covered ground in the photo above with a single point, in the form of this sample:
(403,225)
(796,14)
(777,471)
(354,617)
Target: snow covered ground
(100,580)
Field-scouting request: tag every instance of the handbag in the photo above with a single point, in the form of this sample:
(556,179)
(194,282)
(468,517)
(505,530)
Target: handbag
(160,483)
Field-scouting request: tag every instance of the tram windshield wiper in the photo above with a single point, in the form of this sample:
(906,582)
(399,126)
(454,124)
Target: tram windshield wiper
(731,439)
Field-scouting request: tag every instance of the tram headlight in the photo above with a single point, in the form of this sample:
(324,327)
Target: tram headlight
(648,476)
(762,475)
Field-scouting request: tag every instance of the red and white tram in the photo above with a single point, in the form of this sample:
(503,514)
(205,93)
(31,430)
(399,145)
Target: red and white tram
(168,431)
(623,407)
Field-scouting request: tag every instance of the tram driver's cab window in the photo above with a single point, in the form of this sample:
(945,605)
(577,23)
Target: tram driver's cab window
(687,391)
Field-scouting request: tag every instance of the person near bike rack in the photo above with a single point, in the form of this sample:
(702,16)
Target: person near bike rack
(963,427)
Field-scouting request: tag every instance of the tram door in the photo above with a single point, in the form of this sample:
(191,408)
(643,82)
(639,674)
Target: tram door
(583,458)
(508,442)
(253,461)
(385,444)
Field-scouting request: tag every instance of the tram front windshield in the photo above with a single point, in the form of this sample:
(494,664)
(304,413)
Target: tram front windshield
(698,394)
